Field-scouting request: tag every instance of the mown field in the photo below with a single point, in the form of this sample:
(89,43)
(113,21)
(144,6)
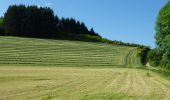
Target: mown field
(38,69)
(40,52)
(65,83)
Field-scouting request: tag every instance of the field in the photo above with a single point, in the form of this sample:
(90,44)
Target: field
(40,52)
(46,83)
(37,69)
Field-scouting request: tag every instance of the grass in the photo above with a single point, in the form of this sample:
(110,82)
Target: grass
(41,52)
(66,83)
(39,69)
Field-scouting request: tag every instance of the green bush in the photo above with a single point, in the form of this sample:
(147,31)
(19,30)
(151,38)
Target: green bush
(154,57)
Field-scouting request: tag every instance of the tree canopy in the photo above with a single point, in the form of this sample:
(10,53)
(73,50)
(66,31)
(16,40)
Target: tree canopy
(33,21)
(163,24)
(29,21)
(2,31)
(161,55)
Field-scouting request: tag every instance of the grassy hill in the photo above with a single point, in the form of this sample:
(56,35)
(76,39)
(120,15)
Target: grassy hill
(41,52)
(81,71)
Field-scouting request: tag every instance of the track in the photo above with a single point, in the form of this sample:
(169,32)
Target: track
(132,60)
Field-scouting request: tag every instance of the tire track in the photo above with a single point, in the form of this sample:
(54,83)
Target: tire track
(158,88)
(143,86)
(152,86)
(130,60)
(112,83)
(125,84)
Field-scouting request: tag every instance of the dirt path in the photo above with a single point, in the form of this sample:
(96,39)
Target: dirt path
(131,60)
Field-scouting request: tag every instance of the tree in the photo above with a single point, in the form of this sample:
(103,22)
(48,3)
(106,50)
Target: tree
(57,22)
(163,24)
(2,31)
(163,37)
(92,32)
(33,21)
(13,19)
(1,20)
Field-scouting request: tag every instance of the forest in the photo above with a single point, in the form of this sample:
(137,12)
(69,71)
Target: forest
(33,21)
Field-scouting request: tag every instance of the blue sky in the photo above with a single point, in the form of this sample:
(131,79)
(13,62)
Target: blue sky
(126,20)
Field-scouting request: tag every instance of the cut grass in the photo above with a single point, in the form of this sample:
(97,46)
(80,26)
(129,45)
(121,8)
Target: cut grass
(81,71)
(41,52)
(66,83)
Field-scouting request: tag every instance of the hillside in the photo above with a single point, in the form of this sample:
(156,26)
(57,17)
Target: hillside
(41,52)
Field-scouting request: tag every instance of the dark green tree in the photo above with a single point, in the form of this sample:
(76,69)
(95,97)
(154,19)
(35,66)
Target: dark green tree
(163,24)
(163,36)
(2,31)
(32,21)
(13,19)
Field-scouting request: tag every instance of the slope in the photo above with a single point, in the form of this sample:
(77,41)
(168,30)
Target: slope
(41,52)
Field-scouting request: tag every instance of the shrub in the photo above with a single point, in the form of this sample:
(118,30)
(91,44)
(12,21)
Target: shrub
(154,57)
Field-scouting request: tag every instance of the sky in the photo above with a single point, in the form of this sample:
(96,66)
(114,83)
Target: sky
(130,21)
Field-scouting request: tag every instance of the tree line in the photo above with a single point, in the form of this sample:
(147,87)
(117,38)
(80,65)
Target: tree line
(40,22)
(160,56)
(33,21)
